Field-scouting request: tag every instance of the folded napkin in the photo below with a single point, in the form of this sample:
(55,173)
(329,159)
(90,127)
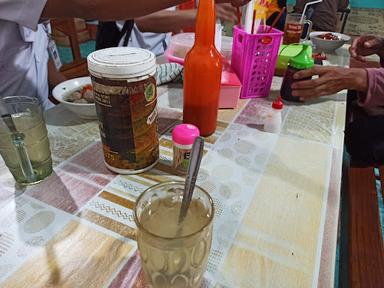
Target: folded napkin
(168,72)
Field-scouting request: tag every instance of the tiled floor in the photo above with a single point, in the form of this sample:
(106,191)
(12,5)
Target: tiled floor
(365,21)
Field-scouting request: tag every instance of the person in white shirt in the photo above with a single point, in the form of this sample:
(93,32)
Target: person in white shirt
(153,32)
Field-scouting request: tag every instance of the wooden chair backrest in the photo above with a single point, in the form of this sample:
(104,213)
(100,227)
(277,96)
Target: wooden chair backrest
(78,67)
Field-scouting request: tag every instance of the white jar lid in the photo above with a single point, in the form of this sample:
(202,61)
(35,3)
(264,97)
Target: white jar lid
(121,63)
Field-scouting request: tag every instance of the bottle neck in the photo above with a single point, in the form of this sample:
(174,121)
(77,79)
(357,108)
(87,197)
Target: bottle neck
(205,23)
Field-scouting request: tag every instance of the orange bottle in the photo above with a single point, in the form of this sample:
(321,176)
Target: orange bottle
(202,73)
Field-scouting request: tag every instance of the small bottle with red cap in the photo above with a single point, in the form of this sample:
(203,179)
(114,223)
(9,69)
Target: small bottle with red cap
(183,136)
(273,121)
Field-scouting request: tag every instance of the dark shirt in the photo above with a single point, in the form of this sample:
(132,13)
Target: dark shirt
(324,16)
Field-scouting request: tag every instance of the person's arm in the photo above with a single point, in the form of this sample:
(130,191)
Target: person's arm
(173,21)
(23,12)
(166,21)
(111,9)
(375,94)
(331,80)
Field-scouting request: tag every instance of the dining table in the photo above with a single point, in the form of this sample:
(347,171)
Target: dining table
(276,198)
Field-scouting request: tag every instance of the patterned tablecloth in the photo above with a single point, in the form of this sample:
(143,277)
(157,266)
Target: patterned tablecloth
(276,199)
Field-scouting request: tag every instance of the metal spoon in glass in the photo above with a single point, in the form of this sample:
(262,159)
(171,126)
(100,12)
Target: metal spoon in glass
(190,181)
(20,148)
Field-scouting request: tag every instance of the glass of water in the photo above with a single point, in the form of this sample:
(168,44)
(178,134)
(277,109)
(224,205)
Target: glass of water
(173,254)
(24,143)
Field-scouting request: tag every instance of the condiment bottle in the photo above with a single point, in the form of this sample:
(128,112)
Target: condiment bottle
(202,73)
(300,62)
(183,136)
(273,121)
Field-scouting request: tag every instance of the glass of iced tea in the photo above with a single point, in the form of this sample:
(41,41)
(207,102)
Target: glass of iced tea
(24,143)
(173,254)
(294,28)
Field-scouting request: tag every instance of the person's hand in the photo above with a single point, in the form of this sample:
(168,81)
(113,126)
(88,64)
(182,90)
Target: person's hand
(331,80)
(365,46)
(226,13)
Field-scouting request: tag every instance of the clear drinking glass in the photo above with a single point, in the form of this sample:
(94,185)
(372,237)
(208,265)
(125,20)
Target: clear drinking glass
(294,28)
(24,143)
(173,255)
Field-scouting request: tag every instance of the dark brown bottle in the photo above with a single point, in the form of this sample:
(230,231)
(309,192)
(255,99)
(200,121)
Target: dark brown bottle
(300,62)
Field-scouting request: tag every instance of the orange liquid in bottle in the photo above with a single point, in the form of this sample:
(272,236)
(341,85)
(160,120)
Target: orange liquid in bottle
(202,73)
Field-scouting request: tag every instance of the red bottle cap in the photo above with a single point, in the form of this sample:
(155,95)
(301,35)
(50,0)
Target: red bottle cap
(277,104)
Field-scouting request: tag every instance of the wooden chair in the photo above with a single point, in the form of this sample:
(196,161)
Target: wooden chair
(344,13)
(365,245)
(362,247)
(78,67)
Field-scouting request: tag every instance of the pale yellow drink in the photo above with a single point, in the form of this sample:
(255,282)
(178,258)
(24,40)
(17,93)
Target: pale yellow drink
(173,255)
(26,116)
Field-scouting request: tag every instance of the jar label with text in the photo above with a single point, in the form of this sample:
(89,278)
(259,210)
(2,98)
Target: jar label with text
(128,122)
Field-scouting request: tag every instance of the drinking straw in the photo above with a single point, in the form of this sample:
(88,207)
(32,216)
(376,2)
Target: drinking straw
(238,16)
(264,20)
(218,35)
(248,16)
(260,18)
(253,21)
(305,8)
(261,8)
(276,20)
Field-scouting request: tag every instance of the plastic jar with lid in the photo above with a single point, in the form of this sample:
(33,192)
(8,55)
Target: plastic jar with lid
(124,86)
(183,136)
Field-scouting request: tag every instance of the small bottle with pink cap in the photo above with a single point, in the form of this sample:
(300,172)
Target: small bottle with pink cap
(183,136)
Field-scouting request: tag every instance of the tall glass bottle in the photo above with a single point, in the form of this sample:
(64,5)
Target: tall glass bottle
(202,73)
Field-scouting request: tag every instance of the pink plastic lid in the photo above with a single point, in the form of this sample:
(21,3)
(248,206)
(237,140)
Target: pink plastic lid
(185,134)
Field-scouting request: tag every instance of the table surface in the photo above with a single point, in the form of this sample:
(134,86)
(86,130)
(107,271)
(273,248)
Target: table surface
(276,198)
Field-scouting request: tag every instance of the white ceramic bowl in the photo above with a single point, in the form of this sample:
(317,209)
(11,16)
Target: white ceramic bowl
(61,92)
(328,45)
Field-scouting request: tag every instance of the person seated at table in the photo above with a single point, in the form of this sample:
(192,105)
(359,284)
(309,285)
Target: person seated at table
(153,32)
(274,11)
(24,55)
(324,14)
(364,137)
